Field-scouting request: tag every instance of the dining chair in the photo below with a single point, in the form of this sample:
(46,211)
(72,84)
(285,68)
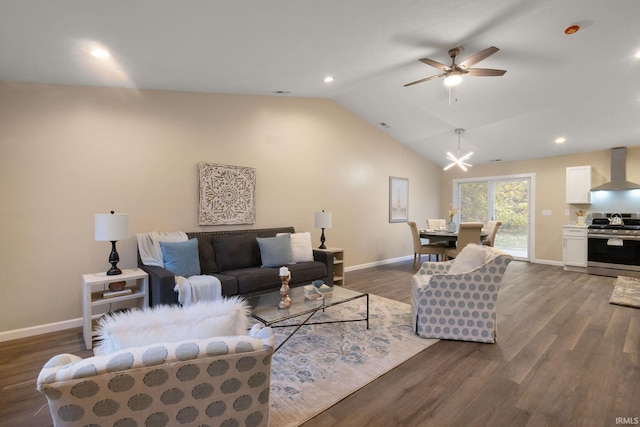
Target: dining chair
(469,232)
(419,248)
(436,224)
(492,230)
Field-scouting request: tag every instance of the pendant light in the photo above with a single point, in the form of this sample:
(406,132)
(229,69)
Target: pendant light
(460,161)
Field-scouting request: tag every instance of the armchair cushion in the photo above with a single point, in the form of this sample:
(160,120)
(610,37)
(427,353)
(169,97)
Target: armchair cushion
(181,258)
(165,323)
(471,257)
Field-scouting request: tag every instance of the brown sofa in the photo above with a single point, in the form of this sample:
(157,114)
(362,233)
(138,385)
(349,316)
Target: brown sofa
(233,256)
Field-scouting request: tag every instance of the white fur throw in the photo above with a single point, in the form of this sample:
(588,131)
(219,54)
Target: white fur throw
(171,323)
(471,257)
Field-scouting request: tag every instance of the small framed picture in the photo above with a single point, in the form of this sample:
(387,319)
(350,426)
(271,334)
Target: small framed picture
(398,199)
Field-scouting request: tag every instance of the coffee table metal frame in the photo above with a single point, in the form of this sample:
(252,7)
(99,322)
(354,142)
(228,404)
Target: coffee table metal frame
(265,308)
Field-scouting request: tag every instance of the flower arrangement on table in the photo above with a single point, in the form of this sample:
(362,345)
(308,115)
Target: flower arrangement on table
(452,212)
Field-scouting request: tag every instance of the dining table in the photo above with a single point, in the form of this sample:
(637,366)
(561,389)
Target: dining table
(445,236)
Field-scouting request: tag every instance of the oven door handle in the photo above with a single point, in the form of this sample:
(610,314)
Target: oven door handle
(615,237)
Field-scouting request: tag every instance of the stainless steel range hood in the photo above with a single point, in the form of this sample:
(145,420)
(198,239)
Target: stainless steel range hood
(618,173)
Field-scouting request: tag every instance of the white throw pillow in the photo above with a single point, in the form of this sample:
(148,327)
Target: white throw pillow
(471,257)
(171,323)
(301,246)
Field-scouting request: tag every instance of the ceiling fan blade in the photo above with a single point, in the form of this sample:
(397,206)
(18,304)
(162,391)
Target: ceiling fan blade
(474,59)
(424,80)
(485,72)
(436,64)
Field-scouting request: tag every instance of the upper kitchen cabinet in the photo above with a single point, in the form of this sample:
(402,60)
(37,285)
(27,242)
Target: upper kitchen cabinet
(579,185)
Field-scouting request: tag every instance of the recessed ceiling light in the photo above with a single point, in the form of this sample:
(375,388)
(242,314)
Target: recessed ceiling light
(638,54)
(328,79)
(561,140)
(100,53)
(572,29)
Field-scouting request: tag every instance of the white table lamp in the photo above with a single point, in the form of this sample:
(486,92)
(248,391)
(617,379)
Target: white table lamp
(322,220)
(111,228)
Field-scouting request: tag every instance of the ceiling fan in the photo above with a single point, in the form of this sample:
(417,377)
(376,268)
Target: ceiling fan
(453,73)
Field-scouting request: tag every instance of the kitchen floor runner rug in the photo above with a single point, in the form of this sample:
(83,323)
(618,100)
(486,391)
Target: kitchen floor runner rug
(626,292)
(322,364)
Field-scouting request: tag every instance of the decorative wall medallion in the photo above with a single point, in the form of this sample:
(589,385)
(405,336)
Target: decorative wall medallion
(227,194)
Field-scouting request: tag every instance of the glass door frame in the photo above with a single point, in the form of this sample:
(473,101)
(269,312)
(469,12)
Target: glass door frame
(455,196)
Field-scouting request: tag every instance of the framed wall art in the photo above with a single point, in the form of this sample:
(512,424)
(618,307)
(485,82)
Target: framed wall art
(227,194)
(398,199)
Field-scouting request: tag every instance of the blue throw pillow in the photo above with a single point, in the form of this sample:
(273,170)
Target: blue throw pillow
(181,258)
(275,251)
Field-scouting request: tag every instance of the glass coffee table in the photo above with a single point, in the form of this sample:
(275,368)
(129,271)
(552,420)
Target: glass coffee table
(265,308)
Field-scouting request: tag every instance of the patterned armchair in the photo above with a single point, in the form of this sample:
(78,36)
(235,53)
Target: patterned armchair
(212,381)
(457,299)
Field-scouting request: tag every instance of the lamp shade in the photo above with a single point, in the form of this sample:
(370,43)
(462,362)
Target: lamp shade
(111,227)
(323,219)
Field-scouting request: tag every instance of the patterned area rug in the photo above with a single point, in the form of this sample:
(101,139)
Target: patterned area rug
(626,292)
(322,364)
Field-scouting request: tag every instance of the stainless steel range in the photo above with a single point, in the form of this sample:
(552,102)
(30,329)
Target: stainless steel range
(614,244)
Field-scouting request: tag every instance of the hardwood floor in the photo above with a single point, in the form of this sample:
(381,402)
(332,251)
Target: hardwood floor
(564,357)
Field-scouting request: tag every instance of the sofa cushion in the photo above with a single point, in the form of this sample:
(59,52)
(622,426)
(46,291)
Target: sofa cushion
(234,251)
(471,257)
(181,258)
(171,323)
(207,255)
(301,246)
(275,251)
(256,280)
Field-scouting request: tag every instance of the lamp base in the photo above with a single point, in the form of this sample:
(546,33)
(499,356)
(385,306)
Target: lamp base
(322,239)
(114,271)
(113,259)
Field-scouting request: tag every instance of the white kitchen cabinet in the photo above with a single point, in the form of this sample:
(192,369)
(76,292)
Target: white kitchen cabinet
(574,247)
(578,185)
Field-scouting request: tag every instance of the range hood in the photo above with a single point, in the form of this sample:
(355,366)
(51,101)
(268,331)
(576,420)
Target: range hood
(618,173)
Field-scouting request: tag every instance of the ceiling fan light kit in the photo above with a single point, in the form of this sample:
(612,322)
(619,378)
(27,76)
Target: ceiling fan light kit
(453,79)
(460,161)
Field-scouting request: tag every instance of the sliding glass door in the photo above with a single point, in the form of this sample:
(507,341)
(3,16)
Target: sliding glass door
(505,199)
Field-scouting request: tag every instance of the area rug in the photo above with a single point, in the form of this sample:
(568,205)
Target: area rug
(626,292)
(322,364)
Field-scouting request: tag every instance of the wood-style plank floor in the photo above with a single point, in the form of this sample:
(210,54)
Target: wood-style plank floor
(564,357)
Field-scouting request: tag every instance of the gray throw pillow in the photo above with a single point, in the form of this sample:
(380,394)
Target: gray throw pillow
(181,258)
(275,251)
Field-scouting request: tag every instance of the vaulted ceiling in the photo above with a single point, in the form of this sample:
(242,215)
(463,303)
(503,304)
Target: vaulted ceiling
(584,86)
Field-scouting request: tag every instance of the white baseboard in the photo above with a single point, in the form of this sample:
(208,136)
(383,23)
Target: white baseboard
(376,263)
(40,329)
(548,262)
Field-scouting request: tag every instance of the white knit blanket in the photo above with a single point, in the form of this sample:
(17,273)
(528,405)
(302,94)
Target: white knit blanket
(194,289)
(149,245)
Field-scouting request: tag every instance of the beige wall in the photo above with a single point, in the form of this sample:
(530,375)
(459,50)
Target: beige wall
(550,192)
(67,153)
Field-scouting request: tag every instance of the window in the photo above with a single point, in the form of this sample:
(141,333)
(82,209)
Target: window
(506,199)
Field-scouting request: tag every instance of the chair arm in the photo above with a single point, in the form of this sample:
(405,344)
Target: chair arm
(161,284)
(435,267)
